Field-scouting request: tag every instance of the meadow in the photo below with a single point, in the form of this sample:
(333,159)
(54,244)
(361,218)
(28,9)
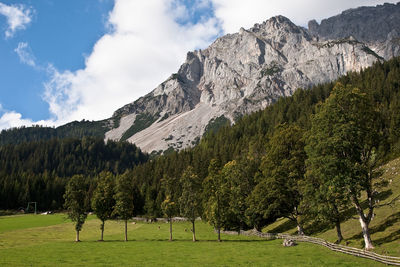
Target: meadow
(384,227)
(48,240)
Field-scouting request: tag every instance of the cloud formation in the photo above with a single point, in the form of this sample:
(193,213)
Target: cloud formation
(18,17)
(12,119)
(146,45)
(25,54)
(148,41)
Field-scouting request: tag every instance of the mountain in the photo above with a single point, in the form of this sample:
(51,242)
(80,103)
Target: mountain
(378,27)
(241,73)
(247,71)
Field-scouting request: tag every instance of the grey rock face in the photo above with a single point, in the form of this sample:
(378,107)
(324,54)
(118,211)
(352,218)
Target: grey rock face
(378,27)
(238,74)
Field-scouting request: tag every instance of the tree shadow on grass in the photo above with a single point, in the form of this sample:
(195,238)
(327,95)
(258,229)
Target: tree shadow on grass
(392,219)
(182,240)
(319,227)
(284,227)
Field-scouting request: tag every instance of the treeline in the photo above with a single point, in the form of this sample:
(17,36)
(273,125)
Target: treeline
(312,175)
(269,164)
(76,129)
(244,157)
(247,140)
(38,171)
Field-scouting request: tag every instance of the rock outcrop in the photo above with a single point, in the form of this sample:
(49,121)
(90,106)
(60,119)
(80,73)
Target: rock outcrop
(378,27)
(241,73)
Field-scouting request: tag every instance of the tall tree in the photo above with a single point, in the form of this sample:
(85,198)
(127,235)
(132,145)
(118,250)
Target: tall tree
(341,148)
(169,208)
(283,168)
(75,202)
(103,201)
(322,201)
(169,205)
(190,200)
(236,188)
(124,199)
(214,204)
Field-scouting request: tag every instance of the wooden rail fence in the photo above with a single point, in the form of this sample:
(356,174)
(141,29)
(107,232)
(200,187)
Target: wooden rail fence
(335,247)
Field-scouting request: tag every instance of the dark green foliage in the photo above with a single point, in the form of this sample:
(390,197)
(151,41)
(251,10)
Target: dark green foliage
(283,168)
(215,124)
(75,201)
(123,196)
(237,186)
(124,199)
(250,135)
(215,203)
(103,201)
(166,116)
(190,199)
(273,69)
(38,171)
(142,121)
(341,148)
(37,133)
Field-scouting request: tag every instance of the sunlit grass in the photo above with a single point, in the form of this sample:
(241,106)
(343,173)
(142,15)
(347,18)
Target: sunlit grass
(384,228)
(53,245)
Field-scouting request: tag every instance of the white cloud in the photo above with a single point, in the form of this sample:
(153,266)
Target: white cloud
(18,17)
(25,54)
(238,13)
(145,47)
(12,119)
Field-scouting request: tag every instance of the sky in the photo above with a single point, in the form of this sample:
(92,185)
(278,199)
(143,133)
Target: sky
(83,59)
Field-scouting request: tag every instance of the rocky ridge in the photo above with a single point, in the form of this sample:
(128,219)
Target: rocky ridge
(238,74)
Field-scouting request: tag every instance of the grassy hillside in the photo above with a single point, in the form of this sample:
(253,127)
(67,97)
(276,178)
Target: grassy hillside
(384,228)
(38,240)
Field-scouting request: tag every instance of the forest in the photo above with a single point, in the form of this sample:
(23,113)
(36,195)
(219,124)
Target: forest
(294,159)
(39,171)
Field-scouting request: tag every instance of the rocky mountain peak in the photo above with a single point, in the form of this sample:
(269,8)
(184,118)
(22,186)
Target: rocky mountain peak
(244,72)
(366,24)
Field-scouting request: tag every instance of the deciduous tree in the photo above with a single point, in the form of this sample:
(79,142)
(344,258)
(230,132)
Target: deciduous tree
(75,198)
(341,148)
(190,200)
(124,199)
(103,201)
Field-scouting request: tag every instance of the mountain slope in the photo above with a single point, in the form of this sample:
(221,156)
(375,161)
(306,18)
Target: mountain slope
(237,74)
(379,27)
(241,73)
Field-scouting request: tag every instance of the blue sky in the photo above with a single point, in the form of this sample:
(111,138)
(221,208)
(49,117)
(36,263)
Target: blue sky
(64,60)
(61,33)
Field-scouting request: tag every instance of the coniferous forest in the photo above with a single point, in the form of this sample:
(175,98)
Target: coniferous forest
(39,171)
(269,164)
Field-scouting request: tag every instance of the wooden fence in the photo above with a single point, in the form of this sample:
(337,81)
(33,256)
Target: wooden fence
(335,247)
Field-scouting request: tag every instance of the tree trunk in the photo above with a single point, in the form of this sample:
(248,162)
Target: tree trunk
(102,230)
(77,236)
(367,238)
(219,234)
(170,229)
(126,230)
(300,230)
(365,220)
(194,232)
(339,232)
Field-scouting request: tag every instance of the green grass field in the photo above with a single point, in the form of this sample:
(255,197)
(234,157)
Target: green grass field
(47,240)
(384,228)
